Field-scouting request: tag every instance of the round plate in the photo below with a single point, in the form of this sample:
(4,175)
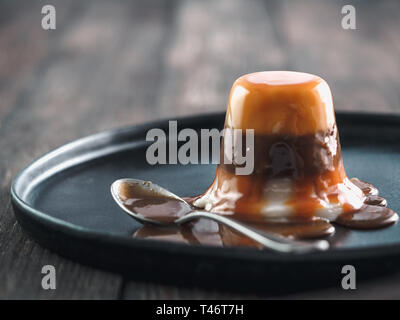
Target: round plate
(63,201)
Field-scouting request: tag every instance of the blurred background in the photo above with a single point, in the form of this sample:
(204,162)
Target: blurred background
(114,63)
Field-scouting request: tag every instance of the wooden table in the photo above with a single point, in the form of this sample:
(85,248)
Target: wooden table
(116,63)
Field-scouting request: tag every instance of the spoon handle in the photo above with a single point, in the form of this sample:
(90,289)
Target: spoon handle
(270,241)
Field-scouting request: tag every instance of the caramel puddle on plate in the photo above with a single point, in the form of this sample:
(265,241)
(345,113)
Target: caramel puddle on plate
(207,232)
(372,215)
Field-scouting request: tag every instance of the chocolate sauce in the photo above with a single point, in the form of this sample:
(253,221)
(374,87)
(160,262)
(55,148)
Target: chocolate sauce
(207,232)
(368,217)
(151,205)
(297,228)
(372,215)
(307,168)
(376,201)
(292,157)
(201,232)
(366,187)
(298,169)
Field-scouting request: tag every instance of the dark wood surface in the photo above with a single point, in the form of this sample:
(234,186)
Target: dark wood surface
(115,63)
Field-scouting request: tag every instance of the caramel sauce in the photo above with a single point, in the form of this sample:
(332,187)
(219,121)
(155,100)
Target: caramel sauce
(311,164)
(372,215)
(207,232)
(150,205)
(280,102)
(298,171)
(368,217)
(376,201)
(366,187)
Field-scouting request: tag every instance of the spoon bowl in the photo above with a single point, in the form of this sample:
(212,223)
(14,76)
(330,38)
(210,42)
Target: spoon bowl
(128,194)
(142,199)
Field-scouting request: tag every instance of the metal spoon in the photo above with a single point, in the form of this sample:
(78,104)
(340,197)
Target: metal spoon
(122,187)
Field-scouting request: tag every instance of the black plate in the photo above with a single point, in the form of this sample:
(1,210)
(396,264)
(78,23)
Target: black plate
(63,201)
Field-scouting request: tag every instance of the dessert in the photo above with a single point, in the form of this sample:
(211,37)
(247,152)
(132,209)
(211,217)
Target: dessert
(298,167)
(298,184)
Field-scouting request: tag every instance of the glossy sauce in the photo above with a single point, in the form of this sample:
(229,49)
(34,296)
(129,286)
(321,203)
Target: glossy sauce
(373,214)
(150,205)
(298,167)
(312,164)
(207,232)
(298,170)
(211,233)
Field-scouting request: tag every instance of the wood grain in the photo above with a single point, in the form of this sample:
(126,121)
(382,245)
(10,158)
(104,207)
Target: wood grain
(115,63)
(361,66)
(213,43)
(80,80)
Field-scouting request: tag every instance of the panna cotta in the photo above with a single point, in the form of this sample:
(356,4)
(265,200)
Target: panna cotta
(297,184)
(298,167)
